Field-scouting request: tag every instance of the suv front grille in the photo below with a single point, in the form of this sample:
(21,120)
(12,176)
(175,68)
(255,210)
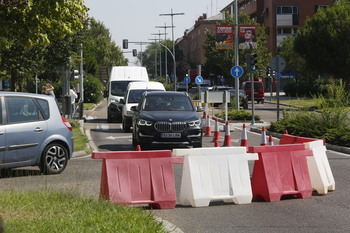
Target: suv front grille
(170,126)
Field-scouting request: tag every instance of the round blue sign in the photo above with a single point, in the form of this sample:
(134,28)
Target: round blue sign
(199,80)
(187,79)
(237,71)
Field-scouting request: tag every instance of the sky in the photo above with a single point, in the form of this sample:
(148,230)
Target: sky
(137,20)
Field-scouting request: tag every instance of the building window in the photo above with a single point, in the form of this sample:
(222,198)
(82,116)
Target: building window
(319,7)
(288,12)
(286,31)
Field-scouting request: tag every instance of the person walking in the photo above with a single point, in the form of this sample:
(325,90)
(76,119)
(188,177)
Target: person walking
(73,96)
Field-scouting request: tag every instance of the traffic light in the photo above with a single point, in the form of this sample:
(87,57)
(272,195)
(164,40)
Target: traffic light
(134,53)
(268,71)
(125,44)
(251,61)
(74,75)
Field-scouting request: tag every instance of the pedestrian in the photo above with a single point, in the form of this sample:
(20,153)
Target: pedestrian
(73,96)
(49,89)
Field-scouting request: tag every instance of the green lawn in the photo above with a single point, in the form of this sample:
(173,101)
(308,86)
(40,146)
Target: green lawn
(46,211)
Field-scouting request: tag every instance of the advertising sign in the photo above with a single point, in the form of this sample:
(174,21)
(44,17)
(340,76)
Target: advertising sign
(224,37)
(247,37)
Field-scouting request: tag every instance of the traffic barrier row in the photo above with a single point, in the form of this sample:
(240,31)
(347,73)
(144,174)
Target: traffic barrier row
(294,168)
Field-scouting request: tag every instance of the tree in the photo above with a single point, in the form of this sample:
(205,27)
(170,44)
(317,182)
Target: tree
(324,41)
(38,22)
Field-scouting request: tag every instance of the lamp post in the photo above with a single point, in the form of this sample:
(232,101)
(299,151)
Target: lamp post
(172,27)
(165,52)
(155,59)
(160,54)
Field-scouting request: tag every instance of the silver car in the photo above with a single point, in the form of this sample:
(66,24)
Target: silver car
(33,133)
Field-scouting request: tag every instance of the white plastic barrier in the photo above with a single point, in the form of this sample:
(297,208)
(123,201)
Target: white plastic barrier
(321,175)
(215,173)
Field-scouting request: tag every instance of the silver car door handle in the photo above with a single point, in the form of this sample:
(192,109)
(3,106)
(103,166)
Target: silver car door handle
(37,129)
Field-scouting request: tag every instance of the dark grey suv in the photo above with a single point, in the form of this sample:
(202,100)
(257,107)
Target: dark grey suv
(33,133)
(166,118)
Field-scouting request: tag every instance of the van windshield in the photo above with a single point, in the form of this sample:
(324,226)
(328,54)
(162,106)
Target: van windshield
(118,88)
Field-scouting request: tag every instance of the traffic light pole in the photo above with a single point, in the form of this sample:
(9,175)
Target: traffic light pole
(236,56)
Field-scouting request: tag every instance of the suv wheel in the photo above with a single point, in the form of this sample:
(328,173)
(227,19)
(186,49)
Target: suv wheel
(54,159)
(197,145)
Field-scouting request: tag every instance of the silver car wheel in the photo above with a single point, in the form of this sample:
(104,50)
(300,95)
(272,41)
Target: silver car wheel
(54,159)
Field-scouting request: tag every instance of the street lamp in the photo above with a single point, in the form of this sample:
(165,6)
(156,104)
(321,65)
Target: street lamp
(160,54)
(165,52)
(172,27)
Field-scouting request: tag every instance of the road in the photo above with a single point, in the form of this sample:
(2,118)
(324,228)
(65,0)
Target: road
(328,213)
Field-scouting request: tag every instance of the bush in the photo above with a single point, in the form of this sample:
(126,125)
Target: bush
(330,122)
(238,115)
(93,89)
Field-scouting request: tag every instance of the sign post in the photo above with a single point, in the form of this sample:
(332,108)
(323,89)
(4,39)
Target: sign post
(278,64)
(237,72)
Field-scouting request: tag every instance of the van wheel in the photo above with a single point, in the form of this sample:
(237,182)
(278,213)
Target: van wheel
(54,159)
(126,126)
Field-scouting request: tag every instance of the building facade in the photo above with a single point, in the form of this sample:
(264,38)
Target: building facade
(191,44)
(281,18)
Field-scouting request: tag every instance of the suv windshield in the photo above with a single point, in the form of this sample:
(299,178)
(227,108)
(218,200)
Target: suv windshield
(167,103)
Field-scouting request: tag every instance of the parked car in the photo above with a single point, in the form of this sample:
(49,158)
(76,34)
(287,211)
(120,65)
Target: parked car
(166,118)
(182,86)
(259,92)
(33,133)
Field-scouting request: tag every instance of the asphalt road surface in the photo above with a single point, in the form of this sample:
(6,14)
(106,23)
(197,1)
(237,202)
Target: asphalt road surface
(328,213)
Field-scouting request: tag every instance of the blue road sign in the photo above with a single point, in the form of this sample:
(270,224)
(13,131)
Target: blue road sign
(278,75)
(199,80)
(237,71)
(187,79)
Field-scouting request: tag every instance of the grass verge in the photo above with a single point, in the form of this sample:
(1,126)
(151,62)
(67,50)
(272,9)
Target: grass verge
(45,211)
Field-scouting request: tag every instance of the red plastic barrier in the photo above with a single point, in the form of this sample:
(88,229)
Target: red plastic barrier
(290,139)
(281,171)
(138,177)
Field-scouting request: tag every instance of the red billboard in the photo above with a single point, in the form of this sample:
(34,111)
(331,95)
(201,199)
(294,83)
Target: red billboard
(224,37)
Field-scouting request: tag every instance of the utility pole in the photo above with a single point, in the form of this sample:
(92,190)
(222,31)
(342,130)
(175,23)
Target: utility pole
(160,53)
(172,27)
(165,51)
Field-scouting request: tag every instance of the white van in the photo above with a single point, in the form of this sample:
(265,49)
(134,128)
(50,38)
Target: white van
(119,79)
(132,97)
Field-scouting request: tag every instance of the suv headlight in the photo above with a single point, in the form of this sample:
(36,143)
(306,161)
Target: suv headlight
(195,123)
(142,122)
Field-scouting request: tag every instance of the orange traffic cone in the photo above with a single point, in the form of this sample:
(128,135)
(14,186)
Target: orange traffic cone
(244,138)
(216,131)
(270,140)
(263,137)
(216,144)
(207,127)
(227,140)
(204,115)
(138,148)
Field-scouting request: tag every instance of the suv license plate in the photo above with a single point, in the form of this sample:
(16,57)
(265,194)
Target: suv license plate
(170,135)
